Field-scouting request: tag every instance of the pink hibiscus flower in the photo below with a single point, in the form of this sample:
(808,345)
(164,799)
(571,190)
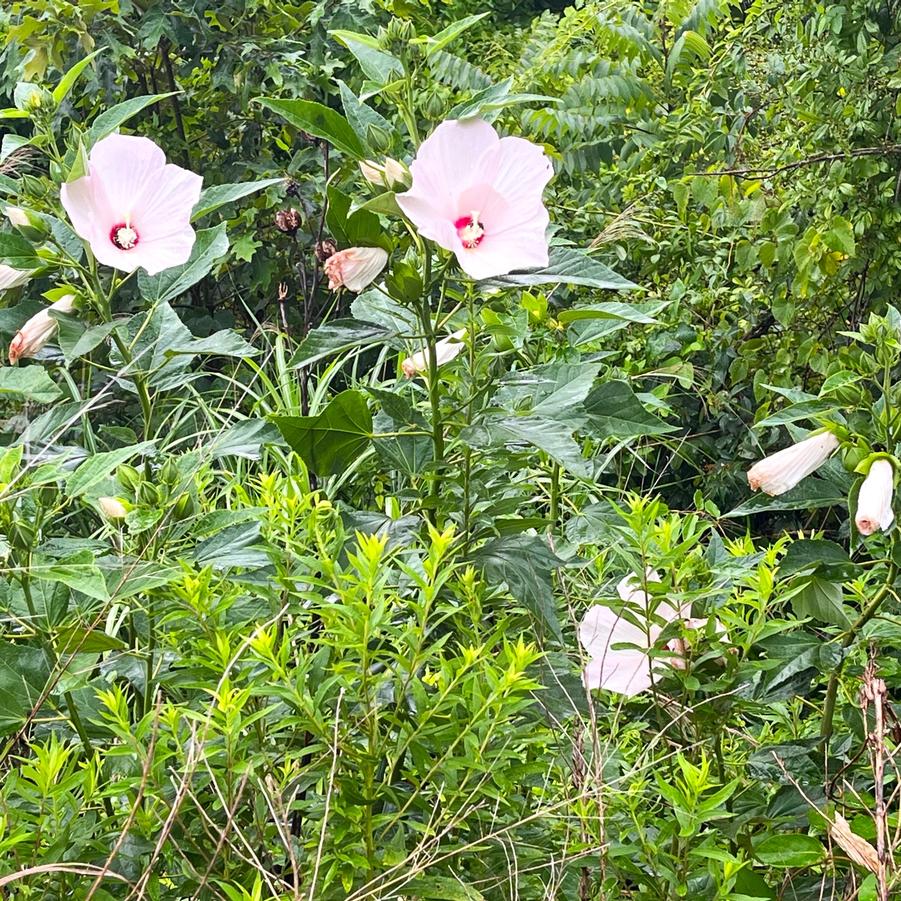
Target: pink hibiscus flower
(479,195)
(133,208)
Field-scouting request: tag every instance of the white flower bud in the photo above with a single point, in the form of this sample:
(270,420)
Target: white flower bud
(874,502)
(112,507)
(780,472)
(445,351)
(38,330)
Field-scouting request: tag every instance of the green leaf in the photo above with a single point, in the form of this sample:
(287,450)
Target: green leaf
(215,196)
(210,246)
(525,563)
(78,639)
(440,888)
(78,571)
(377,65)
(553,390)
(320,121)
(823,600)
(338,336)
(224,343)
(552,437)
(615,412)
(817,554)
(96,468)
(811,494)
(109,120)
(75,343)
(24,672)
(361,116)
(566,267)
(330,442)
(66,83)
(610,310)
(789,850)
(16,252)
(447,35)
(805,410)
(28,383)
(488,102)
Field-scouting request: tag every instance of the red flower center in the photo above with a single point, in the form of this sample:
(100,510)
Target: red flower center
(470,230)
(124,236)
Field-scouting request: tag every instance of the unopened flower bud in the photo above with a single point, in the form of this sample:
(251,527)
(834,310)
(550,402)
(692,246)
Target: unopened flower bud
(780,472)
(355,268)
(445,351)
(288,221)
(38,330)
(391,174)
(112,507)
(874,501)
(379,139)
(27,222)
(324,249)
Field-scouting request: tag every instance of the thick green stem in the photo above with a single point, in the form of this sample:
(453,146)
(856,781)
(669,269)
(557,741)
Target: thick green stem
(428,330)
(850,637)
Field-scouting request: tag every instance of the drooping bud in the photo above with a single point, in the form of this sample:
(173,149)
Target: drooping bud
(38,330)
(780,472)
(288,221)
(445,351)
(12,278)
(355,268)
(874,501)
(112,507)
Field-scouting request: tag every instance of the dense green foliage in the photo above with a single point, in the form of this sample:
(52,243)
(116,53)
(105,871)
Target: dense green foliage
(280,621)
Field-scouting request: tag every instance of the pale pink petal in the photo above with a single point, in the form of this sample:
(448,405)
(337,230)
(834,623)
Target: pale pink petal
(133,208)
(161,253)
(625,672)
(127,167)
(166,204)
(88,210)
(520,172)
(431,222)
(448,161)
(510,251)
(481,197)
(12,278)
(602,627)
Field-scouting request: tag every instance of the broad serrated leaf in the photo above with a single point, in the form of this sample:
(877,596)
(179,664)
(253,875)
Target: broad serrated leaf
(338,336)
(377,65)
(210,246)
(318,120)
(329,442)
(17,253)
(215,196)
(526,564)
(96,468)
(613,411)
(28,383)
(109,120)
(566,267)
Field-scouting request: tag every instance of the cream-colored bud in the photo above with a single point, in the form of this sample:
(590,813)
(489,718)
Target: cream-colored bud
(445,351)
(112,507)
(874,501)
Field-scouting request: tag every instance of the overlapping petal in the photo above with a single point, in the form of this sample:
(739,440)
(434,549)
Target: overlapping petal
(132,207)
